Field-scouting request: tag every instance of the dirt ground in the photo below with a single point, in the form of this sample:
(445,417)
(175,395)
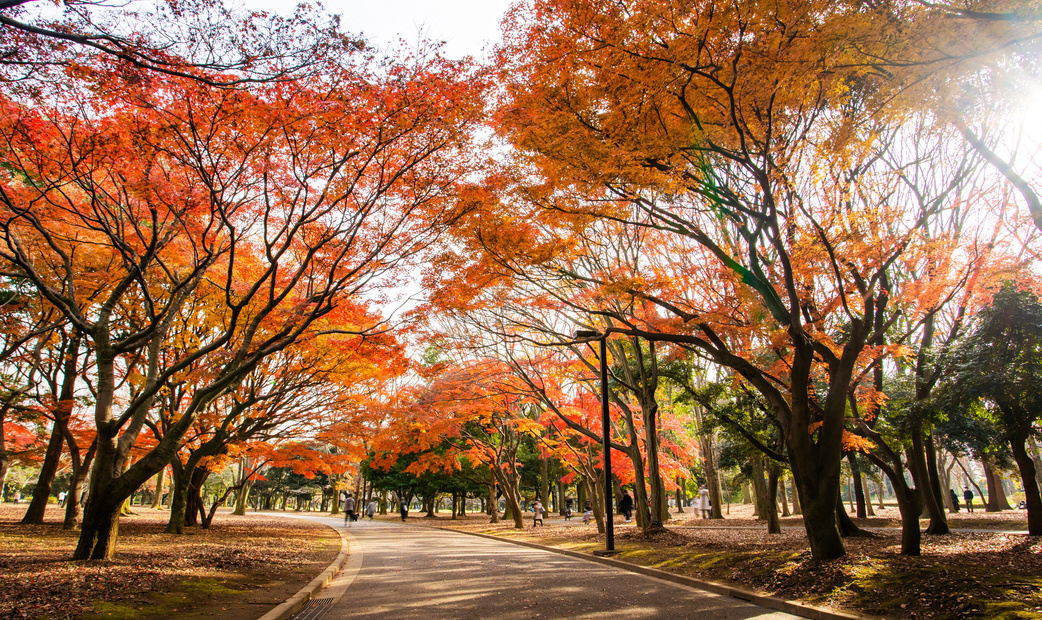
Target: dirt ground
(238,570)
(981,570)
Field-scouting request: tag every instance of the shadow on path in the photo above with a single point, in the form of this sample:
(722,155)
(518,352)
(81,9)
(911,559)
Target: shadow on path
(416,572)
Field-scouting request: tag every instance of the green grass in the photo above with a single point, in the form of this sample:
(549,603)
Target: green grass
(208,586)
(161,605)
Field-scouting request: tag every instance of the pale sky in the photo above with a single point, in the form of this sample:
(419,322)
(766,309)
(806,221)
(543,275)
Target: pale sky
(468,27)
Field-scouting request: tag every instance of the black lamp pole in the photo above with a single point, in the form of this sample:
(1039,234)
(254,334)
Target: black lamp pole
(609,523)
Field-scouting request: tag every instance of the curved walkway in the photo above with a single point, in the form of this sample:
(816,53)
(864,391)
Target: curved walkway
(407,572)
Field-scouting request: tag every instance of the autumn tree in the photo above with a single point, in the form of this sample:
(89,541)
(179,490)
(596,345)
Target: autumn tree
(472,410)
(289,198)
(714,125)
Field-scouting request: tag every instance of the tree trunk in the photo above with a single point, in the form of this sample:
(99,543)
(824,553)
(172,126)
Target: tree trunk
(179,481)
(641,501)
(111,481)
(196,507)
(930,503)
(935,480)
(760,490)
(544,481)
(185,500)
(649,498)
(207,518)
(99,530)
(819,516)
(997,501)
(244,494)
(1032,497)
(157,501)
(859,489)
(796,509)
(846,526)
(705,440)
(595,495)
(784,499)
(909,500)
(42,493)
(5,466)
(559,503)
(493,505)
(868,499)
(664,494)
(773,525)
(73,507)
(513,504)
(62,413)
(100,527)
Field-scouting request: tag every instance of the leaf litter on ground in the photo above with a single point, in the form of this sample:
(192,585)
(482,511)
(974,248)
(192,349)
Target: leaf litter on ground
(242,566)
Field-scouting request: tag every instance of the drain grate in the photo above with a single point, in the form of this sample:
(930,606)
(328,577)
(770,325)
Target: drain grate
(314,609)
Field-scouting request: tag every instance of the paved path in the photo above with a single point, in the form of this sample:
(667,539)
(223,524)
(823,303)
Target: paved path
(405,572)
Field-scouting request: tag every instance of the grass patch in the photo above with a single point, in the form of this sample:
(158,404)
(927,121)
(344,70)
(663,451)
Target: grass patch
(208,586)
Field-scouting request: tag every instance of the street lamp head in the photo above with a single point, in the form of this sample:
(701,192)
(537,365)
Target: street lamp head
(586,333)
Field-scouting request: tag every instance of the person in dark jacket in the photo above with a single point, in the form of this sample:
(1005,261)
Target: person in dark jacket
(955,500)
(967,495)
(349,509)
(626,505)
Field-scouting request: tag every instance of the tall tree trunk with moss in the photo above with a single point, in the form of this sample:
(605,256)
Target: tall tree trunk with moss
(242,497)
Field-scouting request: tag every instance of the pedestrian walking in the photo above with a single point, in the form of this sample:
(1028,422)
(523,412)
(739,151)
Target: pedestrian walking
(349,509)
(370,510)
(967,495)
(955,500)
(587,512)
(704,504)
(403,509)
(537,513)
(626,505)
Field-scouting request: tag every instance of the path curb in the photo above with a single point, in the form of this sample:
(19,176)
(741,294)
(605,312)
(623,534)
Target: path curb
(769,602)
(296,602)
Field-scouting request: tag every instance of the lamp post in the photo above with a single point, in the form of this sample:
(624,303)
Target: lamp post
(609,524)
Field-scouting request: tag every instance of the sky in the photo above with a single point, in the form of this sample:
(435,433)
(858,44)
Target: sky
(468,27)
